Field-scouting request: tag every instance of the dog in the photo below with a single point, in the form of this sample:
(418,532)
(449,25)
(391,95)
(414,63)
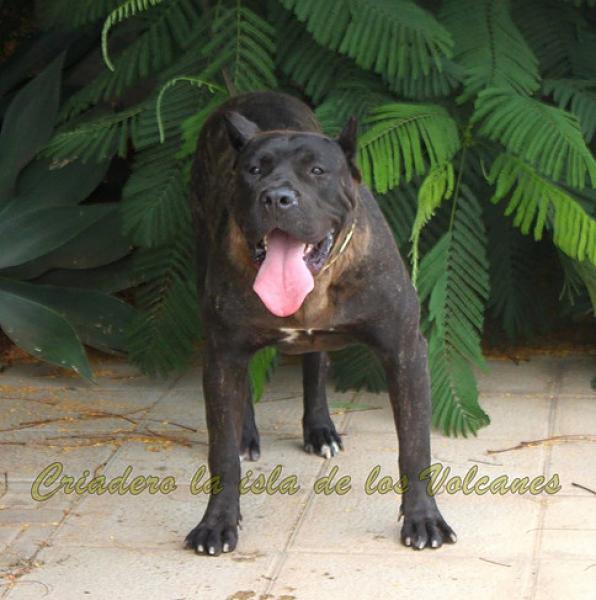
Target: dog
(294,252)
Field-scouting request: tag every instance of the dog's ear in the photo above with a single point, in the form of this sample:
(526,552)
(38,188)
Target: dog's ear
(240,129)
(348,141)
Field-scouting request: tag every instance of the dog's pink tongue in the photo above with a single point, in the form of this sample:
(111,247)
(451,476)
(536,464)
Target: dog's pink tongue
(283,281)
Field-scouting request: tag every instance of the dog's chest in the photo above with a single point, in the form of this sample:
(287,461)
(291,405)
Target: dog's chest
(293,340)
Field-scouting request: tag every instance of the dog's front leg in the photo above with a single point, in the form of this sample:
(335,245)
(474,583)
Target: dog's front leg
(406,366)
(225,381)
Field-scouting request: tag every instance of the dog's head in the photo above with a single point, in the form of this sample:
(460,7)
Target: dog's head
(295,195)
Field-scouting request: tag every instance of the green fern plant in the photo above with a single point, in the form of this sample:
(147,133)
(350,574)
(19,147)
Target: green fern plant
(459,105)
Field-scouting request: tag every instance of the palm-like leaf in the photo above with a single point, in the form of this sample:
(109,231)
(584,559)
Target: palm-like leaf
(513,282)
(155,197)
(163,336)
(543,135)
(534,200)
(577,96)
(243,45)
(436,187)
(395,38)
(550,29)
(403,140)
(157,45)
(261,368)
(97,138)
(489,46)
(127,9)
(454,278)
(357,367)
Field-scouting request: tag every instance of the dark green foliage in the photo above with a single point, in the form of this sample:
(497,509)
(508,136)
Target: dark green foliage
(49,241)
(460,103)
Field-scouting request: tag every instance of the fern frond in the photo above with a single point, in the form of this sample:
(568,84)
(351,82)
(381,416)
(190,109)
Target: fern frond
(437,186)
(127,9)
(97,138)
(195,81)
(513,266)
(355,95)
(242,43)
(437,82)
(312,66)
(357,367)
(489,46)
(395,38)
(181,102)
(73,14)
(168,31)
(155,205)
(454,279)
(550,29)
(163,336)
(399,208)
(403,139)
(579,97)
(543,135)
(260,369)
(534,199)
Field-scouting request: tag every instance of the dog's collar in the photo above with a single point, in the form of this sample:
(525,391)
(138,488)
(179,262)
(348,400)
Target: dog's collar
(343,246)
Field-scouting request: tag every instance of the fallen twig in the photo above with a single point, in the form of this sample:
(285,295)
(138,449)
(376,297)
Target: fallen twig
(493,562)
(557,439)
(583,487)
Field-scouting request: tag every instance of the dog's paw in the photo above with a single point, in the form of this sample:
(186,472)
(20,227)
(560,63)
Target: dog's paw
(213,537)
(426,529)
(324,441)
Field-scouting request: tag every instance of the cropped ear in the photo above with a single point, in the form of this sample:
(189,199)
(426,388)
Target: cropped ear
(347,140)
(240,129)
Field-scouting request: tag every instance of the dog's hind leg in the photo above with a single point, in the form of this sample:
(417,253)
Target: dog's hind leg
(320,436)
(250,447)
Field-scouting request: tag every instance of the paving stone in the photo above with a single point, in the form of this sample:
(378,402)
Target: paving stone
(77,573)
(559,578)
(311,576)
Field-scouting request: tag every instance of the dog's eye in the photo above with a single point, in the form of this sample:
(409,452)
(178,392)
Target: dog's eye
(255,170)
(317,171)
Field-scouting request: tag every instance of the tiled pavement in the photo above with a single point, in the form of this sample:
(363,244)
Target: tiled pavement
(301,546)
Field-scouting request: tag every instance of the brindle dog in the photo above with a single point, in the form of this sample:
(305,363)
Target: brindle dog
(295,253)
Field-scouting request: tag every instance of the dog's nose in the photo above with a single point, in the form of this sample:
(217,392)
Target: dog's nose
(280,198)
